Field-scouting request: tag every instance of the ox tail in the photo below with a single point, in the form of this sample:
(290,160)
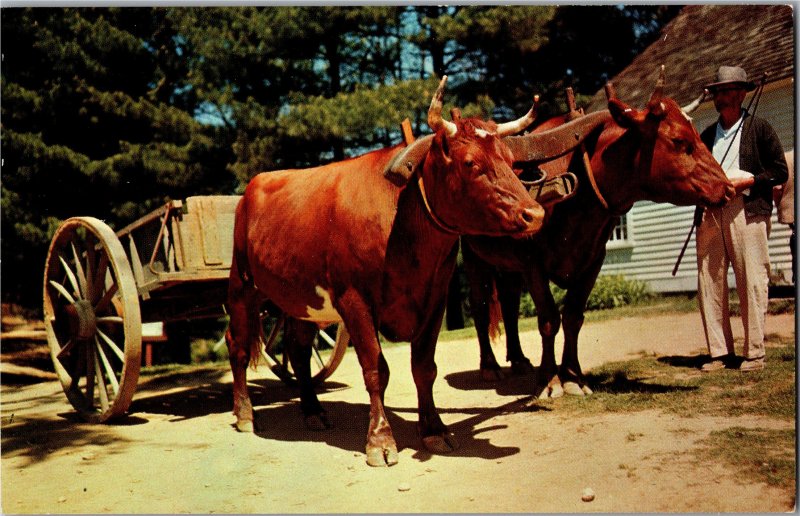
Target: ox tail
(495,315)
(242,295)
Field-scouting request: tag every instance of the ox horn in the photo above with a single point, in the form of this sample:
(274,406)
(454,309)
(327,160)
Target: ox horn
(513,127)
(693,105)
(655,104)
(547,145)
(611,92)
(435,120)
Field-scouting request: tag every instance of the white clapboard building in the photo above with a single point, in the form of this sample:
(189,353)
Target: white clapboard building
(759,38)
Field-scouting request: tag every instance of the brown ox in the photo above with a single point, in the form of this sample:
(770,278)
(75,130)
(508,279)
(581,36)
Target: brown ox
(654,154)
(342,243)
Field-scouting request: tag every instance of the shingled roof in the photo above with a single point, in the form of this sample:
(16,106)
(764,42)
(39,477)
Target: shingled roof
(759,38)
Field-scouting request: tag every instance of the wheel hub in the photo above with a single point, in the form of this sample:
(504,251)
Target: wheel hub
(83,321)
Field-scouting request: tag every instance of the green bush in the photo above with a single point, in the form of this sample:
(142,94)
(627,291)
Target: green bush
(608,292)
(614,291)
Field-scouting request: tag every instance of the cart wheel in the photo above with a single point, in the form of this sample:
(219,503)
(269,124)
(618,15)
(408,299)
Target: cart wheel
(326,353)
(91,314)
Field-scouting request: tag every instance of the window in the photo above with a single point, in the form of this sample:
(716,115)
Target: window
(620,236)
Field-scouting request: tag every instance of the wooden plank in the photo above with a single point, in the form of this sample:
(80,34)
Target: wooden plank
(209,232)
(37,335)
(8,369)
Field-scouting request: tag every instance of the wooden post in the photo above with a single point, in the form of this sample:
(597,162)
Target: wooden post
(408,135)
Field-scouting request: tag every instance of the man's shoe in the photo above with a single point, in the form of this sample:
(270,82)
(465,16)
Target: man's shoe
(720,362)
(714,365)
(752,364)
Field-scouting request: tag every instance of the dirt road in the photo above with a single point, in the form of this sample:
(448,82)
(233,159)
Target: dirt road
(178,452)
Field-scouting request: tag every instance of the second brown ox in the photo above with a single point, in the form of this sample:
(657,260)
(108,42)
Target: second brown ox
(344,243)
(654,154)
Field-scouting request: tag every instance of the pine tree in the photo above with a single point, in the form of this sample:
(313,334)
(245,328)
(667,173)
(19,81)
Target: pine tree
(88,128)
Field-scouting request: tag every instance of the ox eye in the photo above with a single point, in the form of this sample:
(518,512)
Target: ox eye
(683,145)
(469,163)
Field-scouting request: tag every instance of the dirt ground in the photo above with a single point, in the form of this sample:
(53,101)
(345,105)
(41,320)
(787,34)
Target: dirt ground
(177,452)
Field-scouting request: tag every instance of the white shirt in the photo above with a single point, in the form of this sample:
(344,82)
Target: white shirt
(725,139)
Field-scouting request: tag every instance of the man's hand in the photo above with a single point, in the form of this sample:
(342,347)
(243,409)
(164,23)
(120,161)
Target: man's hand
(741,184)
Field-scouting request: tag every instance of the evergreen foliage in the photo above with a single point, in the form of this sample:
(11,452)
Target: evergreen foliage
(111,112)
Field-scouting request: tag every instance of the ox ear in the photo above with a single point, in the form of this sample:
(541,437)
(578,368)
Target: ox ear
(441,147)
(624,115)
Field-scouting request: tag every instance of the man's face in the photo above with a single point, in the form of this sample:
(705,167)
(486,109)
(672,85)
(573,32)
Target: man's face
(728,97)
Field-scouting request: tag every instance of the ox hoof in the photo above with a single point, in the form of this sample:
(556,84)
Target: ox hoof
(445,443)
(573,389)
(318,422)
(551,392)
(492,375)
(381,457)
(245,426)
(522,367)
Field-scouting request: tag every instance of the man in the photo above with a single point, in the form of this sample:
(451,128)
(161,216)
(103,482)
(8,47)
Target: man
(783,195)
(736,234)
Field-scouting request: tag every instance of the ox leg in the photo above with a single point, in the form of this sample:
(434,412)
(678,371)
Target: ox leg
(479,275)
(381,447)
(547,383)
(299,337)
(242,338)
(572,317)
(434,434)
(509,290)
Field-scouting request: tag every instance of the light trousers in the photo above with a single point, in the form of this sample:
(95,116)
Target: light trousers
(728,236)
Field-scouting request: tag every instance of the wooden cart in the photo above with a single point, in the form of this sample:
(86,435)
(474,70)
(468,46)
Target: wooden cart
(172,264)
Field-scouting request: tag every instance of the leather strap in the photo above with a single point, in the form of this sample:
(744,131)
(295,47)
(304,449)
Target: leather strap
(436,220)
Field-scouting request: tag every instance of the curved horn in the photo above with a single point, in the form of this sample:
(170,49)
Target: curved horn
(659,91)
(435,120)
(611,92)
(553,143)
(690,107)
(513,127)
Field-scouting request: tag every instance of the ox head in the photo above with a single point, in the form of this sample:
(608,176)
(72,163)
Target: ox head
(467,180)
(672,163)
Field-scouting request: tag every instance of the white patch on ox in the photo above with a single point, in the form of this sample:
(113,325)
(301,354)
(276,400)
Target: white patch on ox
(327,314)
(482,133)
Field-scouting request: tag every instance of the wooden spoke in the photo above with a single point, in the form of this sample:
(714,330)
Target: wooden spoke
(111,319)
(100,275)
(71,276)
(91,258)
(62,291)
(101,383)
(327,338)
(84,291)
(66,349)
(111,345)
(109,371)
(316,354)
(90,383)
(104,303)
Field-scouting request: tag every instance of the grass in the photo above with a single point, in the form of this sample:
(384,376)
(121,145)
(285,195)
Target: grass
(768,455)
(675,385)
